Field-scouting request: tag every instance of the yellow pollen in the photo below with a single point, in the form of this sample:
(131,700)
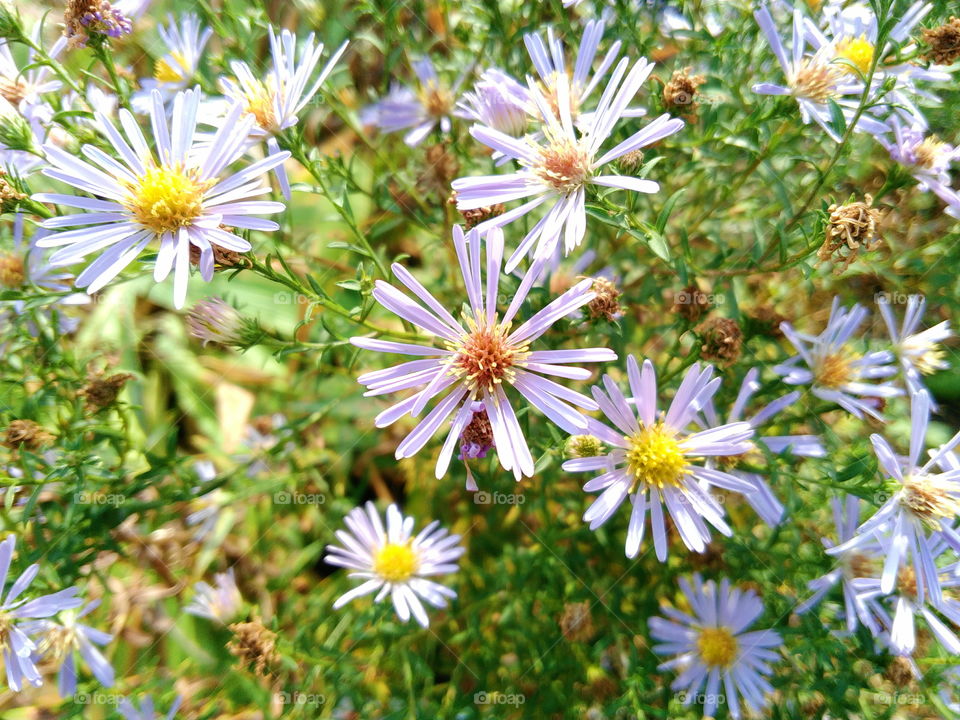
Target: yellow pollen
(835,370)
(166,72)
(930,360)
(259,102)
(438,101)
(857,51)
(930,499)
(928,151)
(165,199)
(563,164)
(484,358)
(815,81)
(654,458)
(395,563)
(12,272)
(717,647)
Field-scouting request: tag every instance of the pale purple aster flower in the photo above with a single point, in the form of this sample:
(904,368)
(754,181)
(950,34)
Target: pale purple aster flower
(213,320)
(16,646)
(911,603)
(180,199)
(207,509)
(658,461)
(928,159)
(497,101)
(61,641)
(556,171)
(275,100)
(762,499)
(919,353)
(25,88)
(712,649)
(219,602)
(850,35)
(174,71)
(480,358)
(146,710)
(922,507)
(814,79)
(853,563)
(834,369)
(393,562)
(418,111)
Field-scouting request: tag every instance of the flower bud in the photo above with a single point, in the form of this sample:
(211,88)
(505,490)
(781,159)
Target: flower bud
(583,446)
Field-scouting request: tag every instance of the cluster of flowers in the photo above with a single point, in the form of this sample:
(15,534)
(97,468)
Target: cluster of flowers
(184,195)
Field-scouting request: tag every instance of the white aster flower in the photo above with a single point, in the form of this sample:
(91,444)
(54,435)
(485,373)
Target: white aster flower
(834,369)
(177,196)
(176,69)
(919,353)
(60,642)
(556,171)
(928,159)
(394,562)
(718,660)
(219,602)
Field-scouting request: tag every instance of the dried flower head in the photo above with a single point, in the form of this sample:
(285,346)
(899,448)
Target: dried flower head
(690,303)
(606,302)
(944,42)
(476,440)
(576,622)
(899,672)
(766,321)
(101,392)
(222,257)
(26,434)
(722,340)
(440,168)
(254,647)
(851,227)
(12,271)
(10,191)
(681,91)
(85,18)
(472,218)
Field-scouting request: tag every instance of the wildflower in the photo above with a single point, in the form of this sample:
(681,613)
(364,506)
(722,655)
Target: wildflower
(213,320)
(850,227)
(275,101)
(97,17)
(912,602)
(943,42)
(835,371)
(928,159)
(17,648)
(220,602)
(24,88)
(146,710)
(681,91)
(480,359)
(393,563)
(254,646)
(179,199)
(722,340)
(497,101)
(919,353)
(417,111)
(657,461)
(61,642)
(712,646)
(814,79)
(854,563)
(762,499)
(176,69)
(557,170)
(922,507)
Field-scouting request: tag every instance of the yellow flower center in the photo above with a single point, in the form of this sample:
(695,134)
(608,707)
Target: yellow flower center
(930,498)
(563,164)
(165,199)
(166,72)
(835,370)
(654,457)
(858,52)
(437,100)
(549,90)
(484,358)
(815,81)
(395,563)
(12,273)
(929,151)
(717,647)
(259,102)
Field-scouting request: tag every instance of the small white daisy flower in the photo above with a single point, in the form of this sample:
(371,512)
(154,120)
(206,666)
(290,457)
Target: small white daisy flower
(178,196)
(60,643)
(393,562)
(718,660)
(834,369)
(176,69)
(219,602)
(919,353)
(928,159)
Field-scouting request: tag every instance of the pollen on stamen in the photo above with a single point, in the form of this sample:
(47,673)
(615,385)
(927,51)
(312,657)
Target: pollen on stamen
(165,199)
(815,80)
(858,51)
(654,458)
(563,164)
(395,562)
(717,647)
(835,369)
(930,499)
(484,358)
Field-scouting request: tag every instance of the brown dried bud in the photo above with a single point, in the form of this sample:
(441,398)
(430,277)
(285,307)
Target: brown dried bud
(12,271)
(476,439)
(222,258)
(254,647)
(576,622)
(631,160)
(944,42)
(850,227)
(26,434)
(899,672)
(606,302)
(681,91)
(10,193)
(722,340)
(101,392)
(690,303)
(440,169)
(472,218)
(766,321)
